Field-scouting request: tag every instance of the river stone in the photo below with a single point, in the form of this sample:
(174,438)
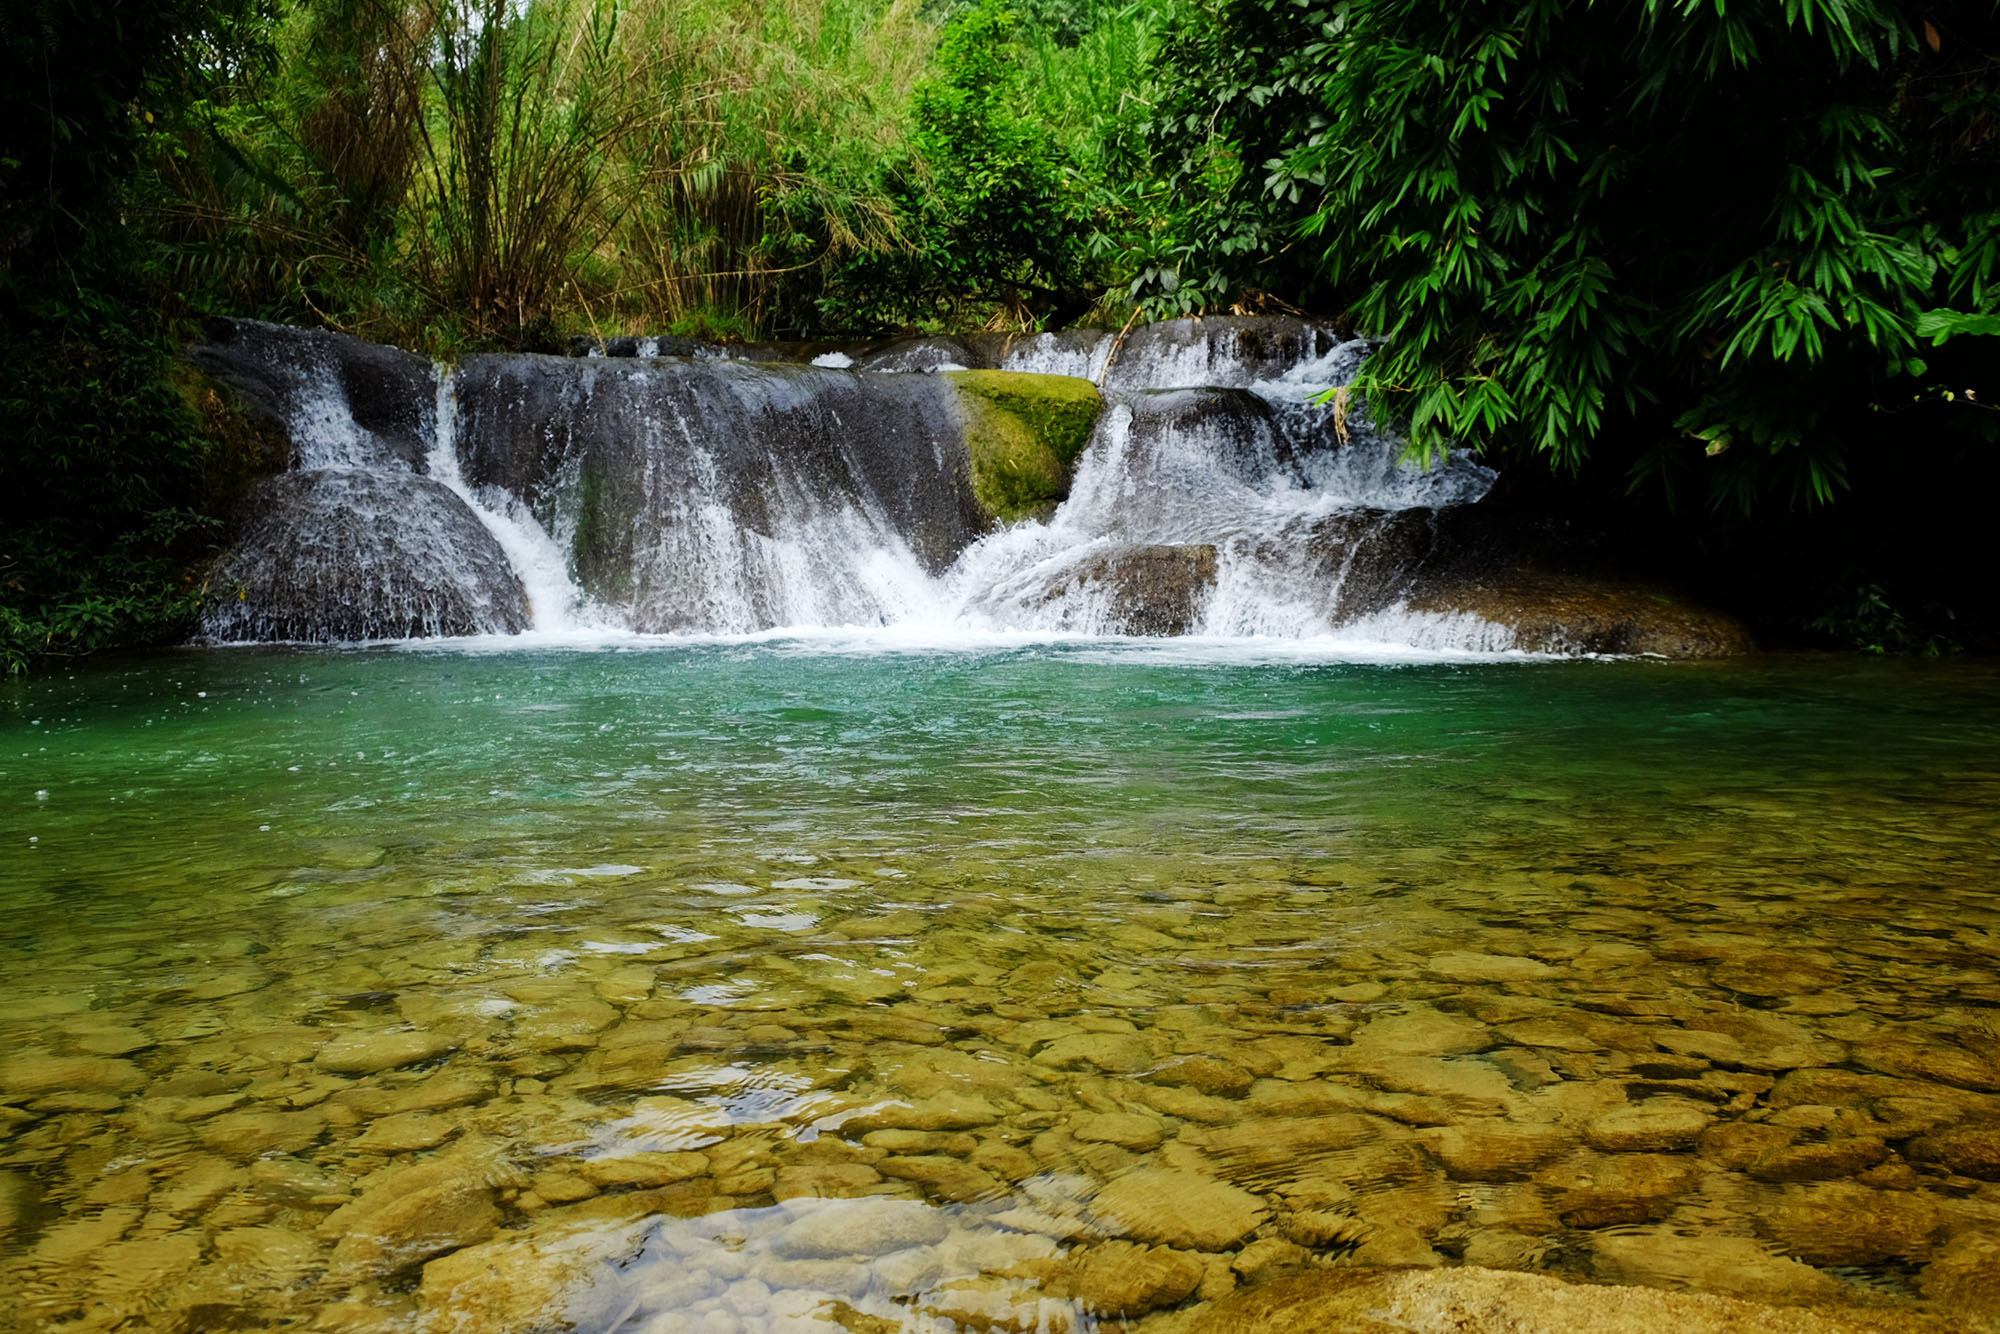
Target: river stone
(1599,958)
(1735,1145)
(440,1092)
(1394,1245)
(408,1213)
(74,1240)
(112,1040)
(1966,1277)
(293,1181)
(956,1143)
(643,1169)
(1649,1127)
(993,1250)
(1840,1223)
(1938,1062)
(1120,1278)
(1475,1084)
(1594,1190)
(824,1181)
(344,553)
(1660,1257)
(276,1251)
(20,1205)
(371,1053)
(571,1026)
(252,1134)
(1470,967)
(1177,1208)
(1268,1258)
(990,1305)
(1210,1075)
(224,985)
(34,1074)
(199,1184)
(1493,1150)
(1969,1151)
(1189,1105)
(1551,1032)
(152,1264)
(1142,1134)
(538,1280)
(1763,1041)
(906,1273)
(831,1230)
(1152,590)
(1418,1031)
(1113,1053)
(405,1132)
(1286,1144)
(1555,612)
(1485,1301)
(956,1111)
(1773,975)
(947,1178)
(1324,1229)
(1825,1161)
(561,1187)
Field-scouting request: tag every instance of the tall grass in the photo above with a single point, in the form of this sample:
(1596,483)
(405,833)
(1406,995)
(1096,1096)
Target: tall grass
(528,102)
(504,171)
(770,169)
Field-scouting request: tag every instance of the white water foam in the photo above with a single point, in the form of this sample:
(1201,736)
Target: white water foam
(556,605)
(1249,532)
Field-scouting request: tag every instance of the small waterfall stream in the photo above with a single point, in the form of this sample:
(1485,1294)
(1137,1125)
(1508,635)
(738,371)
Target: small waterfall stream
(716,494)
(555,604)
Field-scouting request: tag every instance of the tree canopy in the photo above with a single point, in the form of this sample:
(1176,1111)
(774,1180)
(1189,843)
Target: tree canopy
(1710,240)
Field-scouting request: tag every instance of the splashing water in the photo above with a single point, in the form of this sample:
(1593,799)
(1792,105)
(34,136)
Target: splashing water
(672,495)
(555,603)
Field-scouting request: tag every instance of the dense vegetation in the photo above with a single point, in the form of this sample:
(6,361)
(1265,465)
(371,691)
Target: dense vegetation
(1742,258)
(1731,260)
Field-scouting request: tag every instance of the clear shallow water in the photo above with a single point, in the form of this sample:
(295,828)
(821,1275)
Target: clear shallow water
(609,965)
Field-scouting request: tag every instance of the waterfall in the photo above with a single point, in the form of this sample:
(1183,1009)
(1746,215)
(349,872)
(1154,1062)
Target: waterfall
(728,492)
(554,602)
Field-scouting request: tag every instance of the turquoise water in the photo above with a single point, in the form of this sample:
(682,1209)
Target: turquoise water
(809,884)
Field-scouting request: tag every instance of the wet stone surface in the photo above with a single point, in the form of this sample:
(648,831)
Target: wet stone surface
(810,1007)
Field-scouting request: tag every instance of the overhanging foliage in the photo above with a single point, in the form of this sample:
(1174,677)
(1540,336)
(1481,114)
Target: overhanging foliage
(1689,235)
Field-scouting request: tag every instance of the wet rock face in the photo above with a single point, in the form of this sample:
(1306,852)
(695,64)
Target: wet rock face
(1369,560)
(1229,432)
(1227,351)
(704,496)
(682,486)
(360,404)
(342,554)
(1154,590)
(1552,612)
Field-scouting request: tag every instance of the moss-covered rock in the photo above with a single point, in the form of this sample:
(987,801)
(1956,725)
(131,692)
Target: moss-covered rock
(1024,433)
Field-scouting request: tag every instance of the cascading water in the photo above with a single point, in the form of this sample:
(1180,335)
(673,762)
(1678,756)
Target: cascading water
(357,541)
(711,495)
(555,603)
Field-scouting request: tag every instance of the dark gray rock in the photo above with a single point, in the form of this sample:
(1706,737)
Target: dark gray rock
(1155,590)
(343,402)
(674,483)
(345,554)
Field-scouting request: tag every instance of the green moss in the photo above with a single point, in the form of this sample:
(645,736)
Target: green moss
(602,563)
(1025,434)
